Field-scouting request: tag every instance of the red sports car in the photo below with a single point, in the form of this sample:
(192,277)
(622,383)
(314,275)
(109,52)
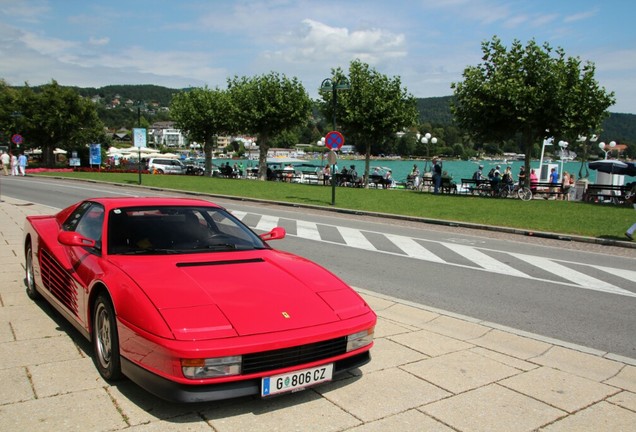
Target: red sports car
(185,300)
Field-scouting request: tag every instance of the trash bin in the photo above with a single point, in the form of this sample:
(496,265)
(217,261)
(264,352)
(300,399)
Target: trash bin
(579,189)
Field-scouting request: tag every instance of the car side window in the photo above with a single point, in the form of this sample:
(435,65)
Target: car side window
(87,220)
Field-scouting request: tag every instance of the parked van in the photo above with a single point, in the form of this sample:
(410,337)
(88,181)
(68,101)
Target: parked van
(166,166)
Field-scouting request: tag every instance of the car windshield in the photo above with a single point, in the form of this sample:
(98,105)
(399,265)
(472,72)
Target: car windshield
(177,229)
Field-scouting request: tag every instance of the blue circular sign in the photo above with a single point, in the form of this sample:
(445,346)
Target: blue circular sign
(334,140)
(17,139)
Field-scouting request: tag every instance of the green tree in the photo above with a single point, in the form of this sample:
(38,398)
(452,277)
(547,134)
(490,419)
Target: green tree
(267,106)
(533,91)
(203,114)
(373,109)
(57,117)
(10,117)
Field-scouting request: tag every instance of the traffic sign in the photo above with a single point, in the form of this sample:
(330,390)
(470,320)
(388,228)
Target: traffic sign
(334,140)
(17,139)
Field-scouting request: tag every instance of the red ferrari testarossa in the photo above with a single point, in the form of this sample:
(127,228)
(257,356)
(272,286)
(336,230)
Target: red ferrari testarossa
(185,300)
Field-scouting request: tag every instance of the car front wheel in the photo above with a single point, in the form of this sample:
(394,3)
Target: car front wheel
(30,280)
(106,339)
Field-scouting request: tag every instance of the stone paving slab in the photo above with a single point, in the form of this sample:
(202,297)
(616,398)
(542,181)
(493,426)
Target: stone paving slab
(430,371)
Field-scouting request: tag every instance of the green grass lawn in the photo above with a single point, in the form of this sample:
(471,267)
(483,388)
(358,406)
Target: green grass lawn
(564,217)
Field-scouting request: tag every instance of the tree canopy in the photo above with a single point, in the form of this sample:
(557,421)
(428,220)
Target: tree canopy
(373,109)
(203,114)
(532,91)
(54,116)
(268,105)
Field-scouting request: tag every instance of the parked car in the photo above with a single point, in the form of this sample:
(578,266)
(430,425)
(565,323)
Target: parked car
(166,166)
(185,300)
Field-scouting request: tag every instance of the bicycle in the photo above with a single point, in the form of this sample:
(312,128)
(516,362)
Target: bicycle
(524,193)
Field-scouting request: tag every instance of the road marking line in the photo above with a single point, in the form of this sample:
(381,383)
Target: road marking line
(355,238)
(577,277)
(267,223)
(413,249)
(239,214)
(307,230)
(630,275)
(485,261)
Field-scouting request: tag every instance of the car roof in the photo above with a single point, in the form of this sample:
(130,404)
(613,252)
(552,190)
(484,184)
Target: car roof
(114,202)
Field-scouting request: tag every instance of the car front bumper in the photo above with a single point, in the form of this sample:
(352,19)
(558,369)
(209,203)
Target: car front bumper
(177,392)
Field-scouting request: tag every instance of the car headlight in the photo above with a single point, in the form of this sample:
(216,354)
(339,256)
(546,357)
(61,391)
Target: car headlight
(360,339)
(211,367)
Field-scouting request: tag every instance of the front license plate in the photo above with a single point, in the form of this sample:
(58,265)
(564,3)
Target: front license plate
(296,380)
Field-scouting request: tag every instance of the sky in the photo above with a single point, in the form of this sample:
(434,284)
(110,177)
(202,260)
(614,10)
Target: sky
(196,43)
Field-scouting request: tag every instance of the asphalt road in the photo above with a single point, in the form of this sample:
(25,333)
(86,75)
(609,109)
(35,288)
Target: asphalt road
(575,292)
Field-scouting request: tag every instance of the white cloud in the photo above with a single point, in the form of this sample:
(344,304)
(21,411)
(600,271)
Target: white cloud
(99,41)
(319,42)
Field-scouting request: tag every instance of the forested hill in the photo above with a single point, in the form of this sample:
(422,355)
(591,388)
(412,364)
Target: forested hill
(144,94)
(618,127)
(434,110)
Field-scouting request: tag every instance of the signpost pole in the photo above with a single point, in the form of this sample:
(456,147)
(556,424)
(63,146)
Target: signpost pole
(334,140)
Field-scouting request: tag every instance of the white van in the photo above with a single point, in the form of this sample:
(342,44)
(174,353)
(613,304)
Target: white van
(166,166)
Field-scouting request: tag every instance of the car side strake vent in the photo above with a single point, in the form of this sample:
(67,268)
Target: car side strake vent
(286,357)
(223,262)
(57,280)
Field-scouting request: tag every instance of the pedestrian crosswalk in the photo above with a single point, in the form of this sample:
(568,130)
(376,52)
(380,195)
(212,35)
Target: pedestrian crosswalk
(479,258)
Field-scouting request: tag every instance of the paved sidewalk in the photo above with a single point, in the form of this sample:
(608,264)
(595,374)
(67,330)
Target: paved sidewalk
(431,371)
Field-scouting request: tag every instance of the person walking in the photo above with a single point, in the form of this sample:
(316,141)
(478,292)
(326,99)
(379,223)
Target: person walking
(566,186)
(437,175)
(6,160)
(14,164)
(22,164)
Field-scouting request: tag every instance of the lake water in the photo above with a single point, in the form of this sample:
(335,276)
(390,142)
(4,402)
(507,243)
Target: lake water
(457,168)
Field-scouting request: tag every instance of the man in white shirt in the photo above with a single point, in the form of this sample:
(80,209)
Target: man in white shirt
(6,160)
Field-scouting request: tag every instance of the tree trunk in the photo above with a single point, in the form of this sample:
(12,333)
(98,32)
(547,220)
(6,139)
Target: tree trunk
(367,163)
(263,143)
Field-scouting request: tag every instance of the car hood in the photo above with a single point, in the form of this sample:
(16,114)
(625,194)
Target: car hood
(241,293)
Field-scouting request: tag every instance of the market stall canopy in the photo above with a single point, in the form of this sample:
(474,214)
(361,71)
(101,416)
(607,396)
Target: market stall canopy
(613,166)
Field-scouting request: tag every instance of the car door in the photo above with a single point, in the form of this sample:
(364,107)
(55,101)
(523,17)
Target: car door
(85,262)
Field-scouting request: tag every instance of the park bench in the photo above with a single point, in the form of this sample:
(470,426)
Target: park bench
(471,185)
(547,189)
(616,194)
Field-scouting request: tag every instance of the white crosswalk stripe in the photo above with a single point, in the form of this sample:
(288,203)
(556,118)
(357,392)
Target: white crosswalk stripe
(483,260)
(355,238)
(238,214)
(413,248)
(416,248)
(578,278)
(307,230)
(630,275)
(267,223)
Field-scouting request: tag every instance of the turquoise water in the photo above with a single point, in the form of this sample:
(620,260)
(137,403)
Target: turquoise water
(456,168)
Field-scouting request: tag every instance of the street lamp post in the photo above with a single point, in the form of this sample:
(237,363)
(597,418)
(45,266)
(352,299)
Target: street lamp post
(563,145)
(321,143)
(426,139)
(333,85)
(584,140)
(611,146)
(546,142)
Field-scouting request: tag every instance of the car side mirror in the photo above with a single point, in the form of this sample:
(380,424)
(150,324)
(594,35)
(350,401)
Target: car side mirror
(276,233)
(71,238)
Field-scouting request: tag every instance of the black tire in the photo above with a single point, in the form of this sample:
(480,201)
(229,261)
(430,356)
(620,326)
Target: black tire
(30,279)
(524,194)
(106,339)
